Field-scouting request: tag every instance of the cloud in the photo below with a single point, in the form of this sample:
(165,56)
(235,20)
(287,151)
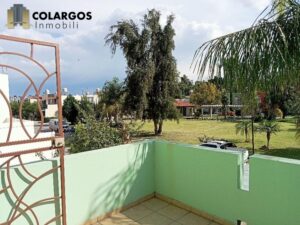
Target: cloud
(260,5)
(86,63)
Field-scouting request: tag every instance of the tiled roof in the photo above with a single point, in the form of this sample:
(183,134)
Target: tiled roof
(180,103)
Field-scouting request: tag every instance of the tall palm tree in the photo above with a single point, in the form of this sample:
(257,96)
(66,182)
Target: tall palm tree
(260,56)
(267,51)
(269,127)
(281,5)
(244,128)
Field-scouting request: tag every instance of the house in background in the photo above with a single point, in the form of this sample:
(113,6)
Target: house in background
(49,101)
(186,108)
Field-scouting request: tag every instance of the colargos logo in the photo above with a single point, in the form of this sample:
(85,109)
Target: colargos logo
(18,15)
(59,20)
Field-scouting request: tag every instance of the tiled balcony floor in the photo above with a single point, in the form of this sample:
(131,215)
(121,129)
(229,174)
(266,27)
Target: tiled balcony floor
(155,212)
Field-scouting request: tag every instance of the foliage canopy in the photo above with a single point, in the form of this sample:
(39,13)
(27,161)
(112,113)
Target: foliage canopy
(151,81)
(205,93)
(259,56)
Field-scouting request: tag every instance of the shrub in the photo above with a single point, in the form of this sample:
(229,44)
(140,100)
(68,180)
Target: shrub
(268,127)
(278,113)
(258,118)
(94,135)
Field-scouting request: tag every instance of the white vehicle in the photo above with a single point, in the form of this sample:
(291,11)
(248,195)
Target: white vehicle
(53,125)
(224,145)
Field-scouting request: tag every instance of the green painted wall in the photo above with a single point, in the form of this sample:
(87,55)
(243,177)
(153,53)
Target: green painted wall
(204,179)
(274,196)
(101,180)
(210,181)
(96,182)
(44,188)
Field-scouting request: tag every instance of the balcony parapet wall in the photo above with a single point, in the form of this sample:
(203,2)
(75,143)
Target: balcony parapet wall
(100,181)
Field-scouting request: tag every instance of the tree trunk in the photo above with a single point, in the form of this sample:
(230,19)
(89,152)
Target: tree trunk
(131,116)
(283,114)
(268,139)
(246,134)
(117,117)
(155,127)
(159,132)
(252,128)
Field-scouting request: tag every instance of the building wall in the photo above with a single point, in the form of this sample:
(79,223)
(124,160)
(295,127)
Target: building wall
(186,111)
(51,111)
(51,108)
(93,98)
(18,134)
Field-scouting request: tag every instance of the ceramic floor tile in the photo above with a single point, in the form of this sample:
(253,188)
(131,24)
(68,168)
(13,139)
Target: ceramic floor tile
(95,223)
(155,204)
(155,219)
(173,212)
(175,223)
(118,219)
(155,212)
(192,219)
(137,212)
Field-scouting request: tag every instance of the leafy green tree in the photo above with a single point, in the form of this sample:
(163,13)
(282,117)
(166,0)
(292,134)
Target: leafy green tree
(218,81)
(282,97)
(15,108)
(85,109)
(151,81)
(262,55)
(94,134)
(297,110)
(135,47)
(71,109)
(205,93)
(269,127)
(111,102)
(161,96)
(185,86)
(293,101)
(30,111)
(244,128)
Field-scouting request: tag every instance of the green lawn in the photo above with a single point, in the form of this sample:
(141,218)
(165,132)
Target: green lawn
(282,144)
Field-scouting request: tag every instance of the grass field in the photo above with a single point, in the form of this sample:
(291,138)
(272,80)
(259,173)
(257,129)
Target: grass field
(283,144)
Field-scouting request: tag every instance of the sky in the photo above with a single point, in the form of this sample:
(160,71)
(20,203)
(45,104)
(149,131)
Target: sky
(86,62)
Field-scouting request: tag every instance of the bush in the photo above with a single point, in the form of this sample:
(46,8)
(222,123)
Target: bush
(258,118)
(94,135)
(278,113)
(198,113)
